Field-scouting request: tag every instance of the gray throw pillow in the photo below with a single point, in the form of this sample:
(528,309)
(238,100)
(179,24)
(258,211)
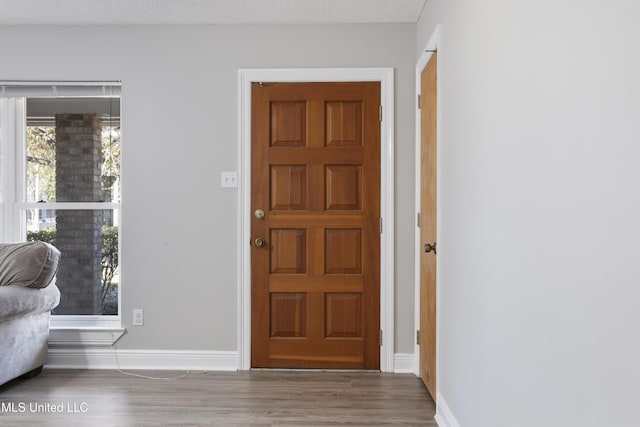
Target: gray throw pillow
(30,264)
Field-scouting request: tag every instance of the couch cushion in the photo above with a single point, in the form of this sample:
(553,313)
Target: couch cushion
(30,264)
(18,301)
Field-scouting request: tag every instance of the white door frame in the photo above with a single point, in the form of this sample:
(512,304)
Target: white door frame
(387,194)
(432,45)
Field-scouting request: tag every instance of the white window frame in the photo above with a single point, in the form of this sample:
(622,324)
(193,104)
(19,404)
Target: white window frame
(95,330)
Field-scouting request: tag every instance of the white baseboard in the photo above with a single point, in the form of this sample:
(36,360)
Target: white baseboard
(110,358)
(444,417)
(404,363)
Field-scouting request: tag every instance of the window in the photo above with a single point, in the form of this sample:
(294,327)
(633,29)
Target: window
(60,183)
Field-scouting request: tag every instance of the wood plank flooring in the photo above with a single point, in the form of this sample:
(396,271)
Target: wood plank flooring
(246,398)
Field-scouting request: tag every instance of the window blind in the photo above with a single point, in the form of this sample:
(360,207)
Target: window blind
(59,89)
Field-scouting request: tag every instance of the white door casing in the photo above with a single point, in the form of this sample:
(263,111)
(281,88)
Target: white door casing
(387,194)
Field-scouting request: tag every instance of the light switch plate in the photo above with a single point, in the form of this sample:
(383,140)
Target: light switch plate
(229,180)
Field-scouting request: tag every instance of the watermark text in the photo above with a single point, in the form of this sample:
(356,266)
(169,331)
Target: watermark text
(44,407)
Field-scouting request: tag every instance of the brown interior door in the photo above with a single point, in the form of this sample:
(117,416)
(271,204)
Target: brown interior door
(428,143)
(315,257)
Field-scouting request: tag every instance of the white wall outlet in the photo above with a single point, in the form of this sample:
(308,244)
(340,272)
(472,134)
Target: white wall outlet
(138,317)
(229,179)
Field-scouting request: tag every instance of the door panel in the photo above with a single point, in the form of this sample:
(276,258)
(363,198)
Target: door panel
(428,174)
(316,175)
(288,187)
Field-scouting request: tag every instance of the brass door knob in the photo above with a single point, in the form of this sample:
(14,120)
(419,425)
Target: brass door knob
(259,242)
(259,213)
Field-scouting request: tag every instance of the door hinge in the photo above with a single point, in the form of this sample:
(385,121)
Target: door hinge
(418,337)
(380,225)
(419,104)
(380,112)
(418,219)
(380,337)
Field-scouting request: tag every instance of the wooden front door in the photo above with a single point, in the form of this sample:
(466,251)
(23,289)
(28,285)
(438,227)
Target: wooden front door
(428,165)
(315,257)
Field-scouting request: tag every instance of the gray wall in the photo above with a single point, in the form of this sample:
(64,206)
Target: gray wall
(540,206)
(179,129)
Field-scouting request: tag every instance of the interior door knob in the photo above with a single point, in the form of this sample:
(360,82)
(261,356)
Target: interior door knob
(259,242)
(428,247)
(259,213)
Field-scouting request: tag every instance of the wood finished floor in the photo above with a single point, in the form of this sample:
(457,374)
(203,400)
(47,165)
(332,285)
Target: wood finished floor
(247,398)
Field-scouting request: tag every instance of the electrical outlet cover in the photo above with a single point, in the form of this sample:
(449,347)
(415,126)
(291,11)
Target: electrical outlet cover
(138,317)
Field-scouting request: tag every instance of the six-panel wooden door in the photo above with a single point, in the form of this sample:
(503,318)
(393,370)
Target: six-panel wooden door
(315,257)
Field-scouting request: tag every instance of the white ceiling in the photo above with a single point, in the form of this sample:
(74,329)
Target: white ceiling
(126,12)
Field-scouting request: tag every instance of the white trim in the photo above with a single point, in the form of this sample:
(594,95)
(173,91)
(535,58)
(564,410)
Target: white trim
(404,363)
(71,357)
(444,417)
(433,44)
(387,210)
(90,337)
(85,322)
(7,174)
(105,206)
(387,192)
(12,121)
(112,358)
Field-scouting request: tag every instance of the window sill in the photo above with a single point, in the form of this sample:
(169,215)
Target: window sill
(85,337)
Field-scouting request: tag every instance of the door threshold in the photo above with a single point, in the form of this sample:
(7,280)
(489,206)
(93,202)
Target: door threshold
(350,371)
